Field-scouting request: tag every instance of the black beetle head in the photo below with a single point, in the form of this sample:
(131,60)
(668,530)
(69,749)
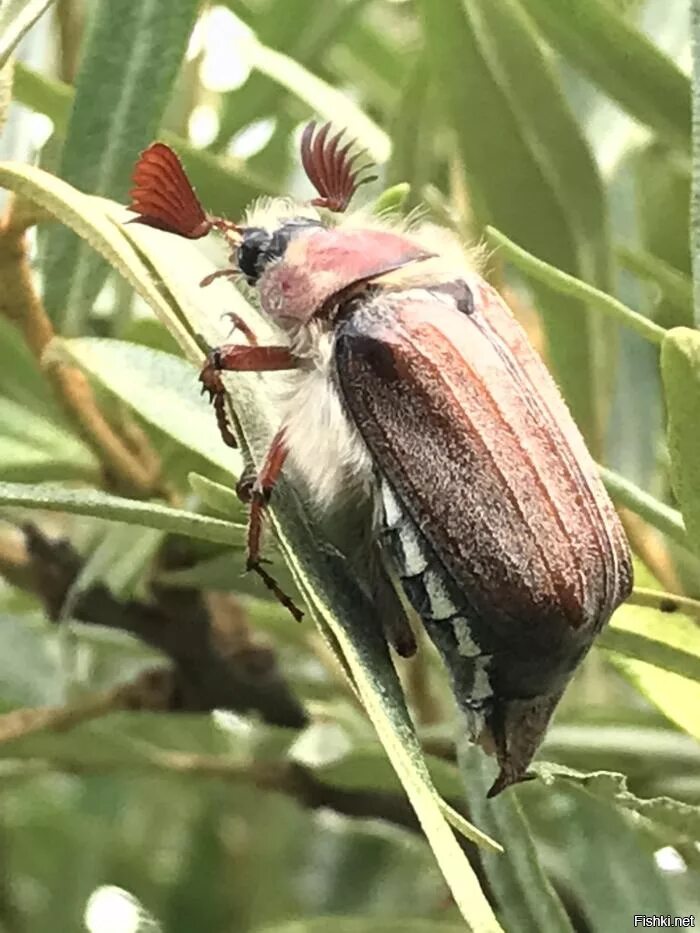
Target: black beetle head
(258,247)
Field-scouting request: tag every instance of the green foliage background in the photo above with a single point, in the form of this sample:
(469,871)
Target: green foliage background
(557,132)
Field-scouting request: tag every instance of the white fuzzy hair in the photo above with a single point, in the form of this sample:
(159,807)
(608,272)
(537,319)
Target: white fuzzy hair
(325,448)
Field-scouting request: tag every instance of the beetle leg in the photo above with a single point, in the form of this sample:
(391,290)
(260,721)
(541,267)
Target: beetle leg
(258,496)
(229,273)
(237,323)
(236,358)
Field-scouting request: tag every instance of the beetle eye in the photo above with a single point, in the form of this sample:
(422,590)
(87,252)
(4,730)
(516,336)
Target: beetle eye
(258,248)
(253,253)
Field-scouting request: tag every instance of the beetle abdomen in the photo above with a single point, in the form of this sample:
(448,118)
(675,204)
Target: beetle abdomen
(440,605)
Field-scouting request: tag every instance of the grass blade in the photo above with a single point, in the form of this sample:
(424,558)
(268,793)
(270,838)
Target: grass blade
(96,504)
(129,48)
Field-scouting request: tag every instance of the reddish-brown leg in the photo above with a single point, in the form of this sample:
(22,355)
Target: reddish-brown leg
(238,323)
(235,358)
(229,273)
(259,497)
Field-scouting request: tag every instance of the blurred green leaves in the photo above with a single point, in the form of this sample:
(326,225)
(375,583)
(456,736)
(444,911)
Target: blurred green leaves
(620,60)
(160,387)
(16,19)
(487,110)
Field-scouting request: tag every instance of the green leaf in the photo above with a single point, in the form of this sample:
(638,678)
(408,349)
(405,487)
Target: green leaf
(660,653)
(415,117)
(21,378)
(680,370)
(652,651)
(617,746)
(608,889)
(682,819)
(121,559)
(86,217)
(321,97)
(365,767)
(392,200)
(527,159)
(613,54)
(98,504)
(695,179)
(160,387)
(111,121)
(662,183)
(527,901)
(16,18)
(219,180)
(33,446)
(29,666)
(220,499)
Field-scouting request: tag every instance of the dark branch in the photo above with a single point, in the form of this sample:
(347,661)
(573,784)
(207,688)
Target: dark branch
(217,663)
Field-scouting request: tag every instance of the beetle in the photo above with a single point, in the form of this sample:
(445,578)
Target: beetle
(412,385)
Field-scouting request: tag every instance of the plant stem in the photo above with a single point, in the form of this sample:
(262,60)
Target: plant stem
(657,513)
(567,284)
(21,303)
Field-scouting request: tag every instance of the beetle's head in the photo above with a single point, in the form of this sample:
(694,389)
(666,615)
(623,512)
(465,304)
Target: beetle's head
(259,247)
(300,266)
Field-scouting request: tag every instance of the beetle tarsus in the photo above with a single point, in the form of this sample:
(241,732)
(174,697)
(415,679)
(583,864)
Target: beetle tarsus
(274,587)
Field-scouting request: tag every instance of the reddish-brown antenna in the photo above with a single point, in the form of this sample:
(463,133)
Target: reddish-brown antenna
(330,169)
(165,199)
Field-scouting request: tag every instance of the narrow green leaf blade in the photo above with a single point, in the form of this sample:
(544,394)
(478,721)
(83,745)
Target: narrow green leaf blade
(32,442)
(676,287)
(221,499)
(92,502)
(658,514)
(527,900)
(680,370)
(86,217)
(695,179)
(682,819)
(161,388)
(663,181)
(608,889)
(219,180)
(112,120)
(565,284)
(16,18)
(659,652)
